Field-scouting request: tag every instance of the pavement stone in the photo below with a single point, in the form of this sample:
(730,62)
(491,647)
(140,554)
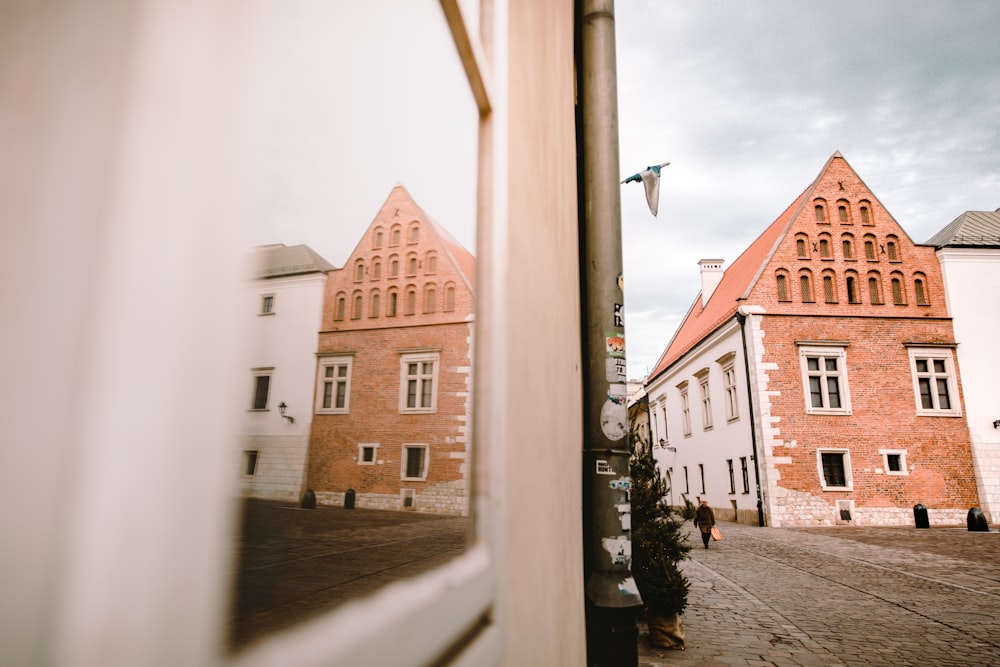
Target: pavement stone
(839,596)
(782,597)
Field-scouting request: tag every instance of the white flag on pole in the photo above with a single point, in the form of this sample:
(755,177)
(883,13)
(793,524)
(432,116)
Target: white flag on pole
(650,178)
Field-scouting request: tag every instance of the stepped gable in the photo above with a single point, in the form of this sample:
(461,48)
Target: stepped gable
(405,270)
(838,208)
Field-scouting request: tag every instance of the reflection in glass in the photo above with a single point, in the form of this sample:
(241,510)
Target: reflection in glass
(364,477)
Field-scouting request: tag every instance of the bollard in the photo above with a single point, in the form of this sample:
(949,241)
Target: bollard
(920,516)
(977,521)
(308,500)
(349,499)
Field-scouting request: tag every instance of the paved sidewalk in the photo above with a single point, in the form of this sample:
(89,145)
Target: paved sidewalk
(840,596)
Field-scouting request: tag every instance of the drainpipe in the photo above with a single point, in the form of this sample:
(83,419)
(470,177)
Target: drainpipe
(742,318)
(612,599)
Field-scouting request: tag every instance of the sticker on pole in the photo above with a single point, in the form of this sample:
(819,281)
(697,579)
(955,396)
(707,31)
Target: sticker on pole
(605,468)
(614,420)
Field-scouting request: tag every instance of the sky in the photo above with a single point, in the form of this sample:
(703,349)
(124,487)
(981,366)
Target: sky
(746,99)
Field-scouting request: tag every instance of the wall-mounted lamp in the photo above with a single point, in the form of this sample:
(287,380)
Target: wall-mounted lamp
(663,443)
(996,423)
(281,411)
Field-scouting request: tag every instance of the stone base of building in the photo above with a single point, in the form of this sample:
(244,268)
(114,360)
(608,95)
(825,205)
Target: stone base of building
(845,513)
(449,498)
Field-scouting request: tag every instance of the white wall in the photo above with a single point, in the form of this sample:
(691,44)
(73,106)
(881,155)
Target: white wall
(285,340)
(969,274)
(710,448)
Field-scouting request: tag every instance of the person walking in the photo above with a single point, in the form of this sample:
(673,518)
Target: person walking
(704,518)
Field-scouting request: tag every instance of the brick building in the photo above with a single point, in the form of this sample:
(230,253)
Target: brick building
(393,376)
(815,380)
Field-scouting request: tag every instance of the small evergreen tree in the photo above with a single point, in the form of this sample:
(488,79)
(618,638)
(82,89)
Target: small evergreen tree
(658,542)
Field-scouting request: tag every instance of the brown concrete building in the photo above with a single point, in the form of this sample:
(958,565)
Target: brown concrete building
(393,383)
(853,408)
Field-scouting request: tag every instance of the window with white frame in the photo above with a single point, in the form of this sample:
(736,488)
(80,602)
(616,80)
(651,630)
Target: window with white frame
(666,431)
(732,475)
(834,466)
(260,388)
(706,399)
(367,453)
(934,382)
(894,461)
(414,462)
(418,382)
(727,362)
(685,409)
(267,304)
(333,395)
(824,376)
(745,470)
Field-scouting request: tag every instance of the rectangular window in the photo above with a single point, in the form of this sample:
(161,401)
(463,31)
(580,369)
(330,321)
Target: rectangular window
(729,384)
(687,485)
(701,471)
(333,395)
(706,404)
(732,476)
(250,462)
(834,469)
(825,380)
(261,388)
(685,412)
(267,304)
(933,382)
(894,461)
(418,383)
(744,468)
(414,462)
(367,453)
(666,431)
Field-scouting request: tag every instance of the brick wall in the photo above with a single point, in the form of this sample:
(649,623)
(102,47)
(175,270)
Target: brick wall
(375,338)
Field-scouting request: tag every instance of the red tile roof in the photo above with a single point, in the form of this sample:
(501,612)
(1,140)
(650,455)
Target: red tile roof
(738,280)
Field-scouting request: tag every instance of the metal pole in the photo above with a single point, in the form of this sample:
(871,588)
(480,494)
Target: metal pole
(742,319)
(612,598)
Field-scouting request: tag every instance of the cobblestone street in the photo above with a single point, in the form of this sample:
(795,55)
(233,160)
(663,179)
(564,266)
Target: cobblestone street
(840,596)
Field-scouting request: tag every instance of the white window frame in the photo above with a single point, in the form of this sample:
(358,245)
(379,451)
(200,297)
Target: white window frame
(833,351)
(685,409)
(362,446)
(706,400)
(267,307)
(404,459)
(935,354)
(901,453)
(257,373)
(728,364)
(418,358)
(848,478)
(338,361)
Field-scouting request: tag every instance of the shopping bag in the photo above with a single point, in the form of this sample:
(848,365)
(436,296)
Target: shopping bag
(716,534)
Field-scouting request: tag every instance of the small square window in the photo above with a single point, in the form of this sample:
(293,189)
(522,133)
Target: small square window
(367,453)
(894,461)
